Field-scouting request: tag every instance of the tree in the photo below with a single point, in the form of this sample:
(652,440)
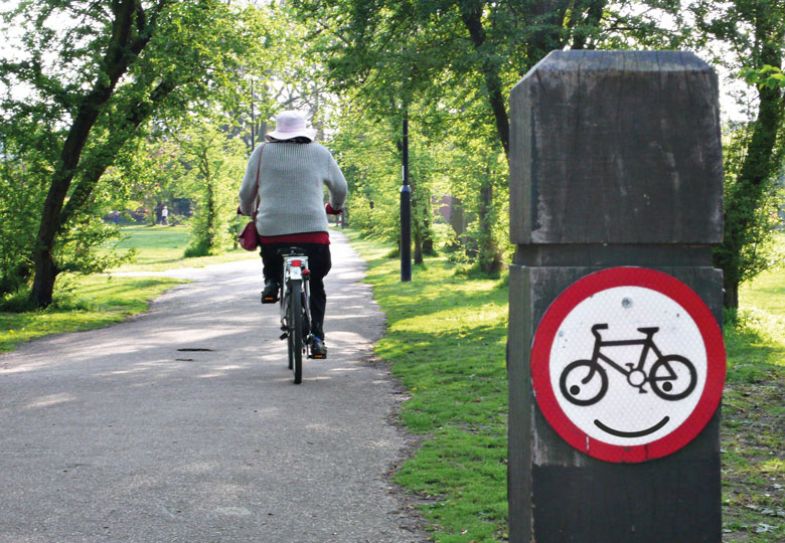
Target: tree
(23,167)
(296,80)
(367,153)
(118,64)
(753,31)
(216,164)
(399,49)
(456,56)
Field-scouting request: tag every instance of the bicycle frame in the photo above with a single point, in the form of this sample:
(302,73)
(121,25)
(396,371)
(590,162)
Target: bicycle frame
(661,376)
(646,343)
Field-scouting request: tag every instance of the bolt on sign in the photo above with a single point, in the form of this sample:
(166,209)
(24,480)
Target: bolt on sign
(628,364)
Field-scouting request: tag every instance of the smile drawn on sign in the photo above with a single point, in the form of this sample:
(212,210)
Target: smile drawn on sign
(639,433)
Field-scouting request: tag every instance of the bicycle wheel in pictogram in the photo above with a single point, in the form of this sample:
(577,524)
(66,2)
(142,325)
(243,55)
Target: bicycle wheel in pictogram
(673,377)
(583,382)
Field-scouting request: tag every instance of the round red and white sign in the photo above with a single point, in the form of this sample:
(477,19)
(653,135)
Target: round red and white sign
(628,364)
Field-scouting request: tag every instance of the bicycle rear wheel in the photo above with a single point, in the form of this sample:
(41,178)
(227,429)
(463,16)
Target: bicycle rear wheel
(284,301)
(295,318)
(290,348)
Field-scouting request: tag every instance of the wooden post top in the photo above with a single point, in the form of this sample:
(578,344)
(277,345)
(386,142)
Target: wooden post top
(616,147)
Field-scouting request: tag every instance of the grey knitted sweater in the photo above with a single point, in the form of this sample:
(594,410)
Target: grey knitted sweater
(288,187)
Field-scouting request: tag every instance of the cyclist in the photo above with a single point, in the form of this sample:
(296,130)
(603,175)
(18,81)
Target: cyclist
(283,184)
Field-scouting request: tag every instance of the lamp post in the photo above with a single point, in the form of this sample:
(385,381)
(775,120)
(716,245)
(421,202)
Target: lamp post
(406,212)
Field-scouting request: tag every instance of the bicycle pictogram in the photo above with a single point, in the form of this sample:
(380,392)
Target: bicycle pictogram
(672,377)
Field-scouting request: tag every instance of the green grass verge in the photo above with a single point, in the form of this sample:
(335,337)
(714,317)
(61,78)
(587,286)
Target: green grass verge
(445,342)
(753,423)
(89,302)
(160,248)
(83,303)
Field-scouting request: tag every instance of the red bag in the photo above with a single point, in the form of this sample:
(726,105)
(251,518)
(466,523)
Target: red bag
(248,238)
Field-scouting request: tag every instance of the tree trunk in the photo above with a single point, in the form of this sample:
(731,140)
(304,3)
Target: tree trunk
(210,215)
(418,243)
(471,13)
(418,219)
(44,279)
(137,113)
(490,260)
(731,293)
(457,216)
(427,244)
(594,12)
(211,218)
(121,50)
(761,162)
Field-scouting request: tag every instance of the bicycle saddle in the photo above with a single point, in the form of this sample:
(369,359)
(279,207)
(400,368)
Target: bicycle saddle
(649,331)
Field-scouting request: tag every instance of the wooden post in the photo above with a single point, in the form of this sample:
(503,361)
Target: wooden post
(615,160)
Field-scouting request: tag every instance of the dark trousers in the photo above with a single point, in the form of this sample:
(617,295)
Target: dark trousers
(319,263)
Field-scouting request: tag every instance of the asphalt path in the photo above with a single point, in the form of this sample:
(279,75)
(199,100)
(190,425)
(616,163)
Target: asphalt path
(183,425)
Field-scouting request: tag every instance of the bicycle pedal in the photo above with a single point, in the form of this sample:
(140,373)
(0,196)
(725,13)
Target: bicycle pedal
(283,336)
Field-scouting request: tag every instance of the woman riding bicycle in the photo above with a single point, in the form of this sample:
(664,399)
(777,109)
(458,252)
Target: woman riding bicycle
(283,184)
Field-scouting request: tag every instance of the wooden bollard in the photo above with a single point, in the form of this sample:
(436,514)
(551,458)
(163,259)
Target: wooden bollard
(616,201)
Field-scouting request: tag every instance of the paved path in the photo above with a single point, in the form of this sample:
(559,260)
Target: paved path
(117,435)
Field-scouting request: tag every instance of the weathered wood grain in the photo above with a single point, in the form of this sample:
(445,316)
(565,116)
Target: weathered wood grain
(616,147)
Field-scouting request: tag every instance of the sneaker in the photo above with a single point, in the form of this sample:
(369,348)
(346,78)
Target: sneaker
(318,348)
(270,292)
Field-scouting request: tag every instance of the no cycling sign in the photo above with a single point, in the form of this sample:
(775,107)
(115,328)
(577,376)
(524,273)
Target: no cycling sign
(628,364)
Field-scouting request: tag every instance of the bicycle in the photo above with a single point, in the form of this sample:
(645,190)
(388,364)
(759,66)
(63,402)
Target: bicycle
(664,374)
(295,308)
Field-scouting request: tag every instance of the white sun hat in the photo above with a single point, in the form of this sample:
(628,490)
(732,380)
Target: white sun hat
(291,124)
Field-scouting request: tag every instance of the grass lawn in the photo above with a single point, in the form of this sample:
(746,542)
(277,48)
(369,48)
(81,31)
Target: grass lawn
(85,303)
(161,247)
(445,342)
(753,429)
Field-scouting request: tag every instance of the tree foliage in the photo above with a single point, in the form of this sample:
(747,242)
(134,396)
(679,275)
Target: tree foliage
(215,163)
(147,173)
(93,85)
(99,105)
(453,63)
(753,33)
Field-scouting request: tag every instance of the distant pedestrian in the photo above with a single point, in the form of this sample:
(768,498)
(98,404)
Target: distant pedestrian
(164,215)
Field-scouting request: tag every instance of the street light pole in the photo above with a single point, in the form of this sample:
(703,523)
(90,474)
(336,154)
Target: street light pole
(406,212)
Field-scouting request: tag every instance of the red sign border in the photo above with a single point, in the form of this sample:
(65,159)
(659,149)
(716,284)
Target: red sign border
(619,277)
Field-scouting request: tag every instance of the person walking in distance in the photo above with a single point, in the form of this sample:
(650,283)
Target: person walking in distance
(164,215)
(283,185)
